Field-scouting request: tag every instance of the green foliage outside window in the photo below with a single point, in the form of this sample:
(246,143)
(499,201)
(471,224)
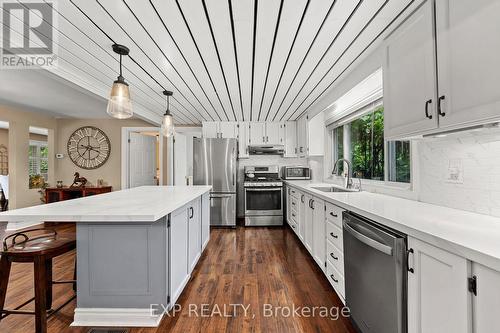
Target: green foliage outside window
(367,149)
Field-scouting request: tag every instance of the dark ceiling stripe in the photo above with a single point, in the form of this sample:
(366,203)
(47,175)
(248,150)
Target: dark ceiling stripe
(185,60)
(288,57)
(109,54)
(236,56)
(305,56)
(171,64)
(90,65)
(357,57)
(255,8)
(201,57)
(218,56)
(278,21)
(326,51)
(341,55)
(111,39)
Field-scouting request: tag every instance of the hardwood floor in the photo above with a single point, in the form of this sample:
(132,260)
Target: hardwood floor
(258,268)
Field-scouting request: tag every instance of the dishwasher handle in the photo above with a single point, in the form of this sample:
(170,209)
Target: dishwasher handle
(367,240)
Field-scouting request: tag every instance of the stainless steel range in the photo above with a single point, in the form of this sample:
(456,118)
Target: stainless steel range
(263,196)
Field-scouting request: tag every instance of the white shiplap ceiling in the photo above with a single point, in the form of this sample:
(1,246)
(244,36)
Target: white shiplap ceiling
(224,59)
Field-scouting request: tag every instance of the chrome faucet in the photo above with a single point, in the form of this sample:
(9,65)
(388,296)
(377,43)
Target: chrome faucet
(349,170)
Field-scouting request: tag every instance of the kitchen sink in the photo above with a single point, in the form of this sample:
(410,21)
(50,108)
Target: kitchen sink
(331,189)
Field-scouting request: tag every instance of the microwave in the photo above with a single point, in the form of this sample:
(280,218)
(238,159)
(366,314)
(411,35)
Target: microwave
(296,172)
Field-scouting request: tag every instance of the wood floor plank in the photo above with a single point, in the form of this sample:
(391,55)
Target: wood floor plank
(247,266)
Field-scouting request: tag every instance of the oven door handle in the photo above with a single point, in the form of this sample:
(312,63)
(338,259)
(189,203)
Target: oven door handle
(220,196)
(263,189)
(367,240)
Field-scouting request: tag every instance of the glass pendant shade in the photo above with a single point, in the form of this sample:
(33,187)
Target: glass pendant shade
(119,104)
(167,125)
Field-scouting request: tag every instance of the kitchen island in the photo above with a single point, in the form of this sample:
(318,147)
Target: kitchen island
(136,249)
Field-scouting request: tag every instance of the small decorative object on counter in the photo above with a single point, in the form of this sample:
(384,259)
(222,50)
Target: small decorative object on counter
(59,184)
(79,181)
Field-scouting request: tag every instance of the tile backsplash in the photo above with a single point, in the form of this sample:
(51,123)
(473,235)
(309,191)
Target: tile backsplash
(461,171)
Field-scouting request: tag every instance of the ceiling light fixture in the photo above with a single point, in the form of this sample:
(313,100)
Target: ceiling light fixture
(119,104)
(167,124)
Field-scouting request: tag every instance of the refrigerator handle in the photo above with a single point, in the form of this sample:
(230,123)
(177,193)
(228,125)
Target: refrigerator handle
(234,172)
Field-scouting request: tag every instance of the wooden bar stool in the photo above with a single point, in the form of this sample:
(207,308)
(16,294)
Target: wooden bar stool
(38,249)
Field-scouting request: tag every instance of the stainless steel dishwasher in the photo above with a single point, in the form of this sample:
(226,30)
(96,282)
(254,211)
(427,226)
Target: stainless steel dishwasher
(375,263)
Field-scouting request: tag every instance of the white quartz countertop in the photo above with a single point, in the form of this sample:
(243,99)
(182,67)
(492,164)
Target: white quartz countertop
(145,203)
(470,235)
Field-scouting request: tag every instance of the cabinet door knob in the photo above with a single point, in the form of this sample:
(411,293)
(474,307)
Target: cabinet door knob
(440,112)
(427,108)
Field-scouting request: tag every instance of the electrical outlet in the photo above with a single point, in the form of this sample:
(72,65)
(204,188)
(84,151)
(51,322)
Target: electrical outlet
(455,172)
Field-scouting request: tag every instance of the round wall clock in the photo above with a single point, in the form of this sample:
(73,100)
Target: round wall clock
(89,147)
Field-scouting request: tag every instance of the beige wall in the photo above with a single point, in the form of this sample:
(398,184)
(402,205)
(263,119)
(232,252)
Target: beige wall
(18,137)
(4,137)
(111,170)
(20,195)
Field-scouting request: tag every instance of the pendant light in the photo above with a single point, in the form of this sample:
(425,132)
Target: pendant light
(167,124)
(119,104)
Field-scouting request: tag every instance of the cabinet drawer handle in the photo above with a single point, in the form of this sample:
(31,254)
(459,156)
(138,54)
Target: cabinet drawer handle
(334,257)
(293,203)
(427,108)
(302,197)
(333,235)
(312,204)
(334,279)
(441,113)
(334,215)
(293,215)
(293,226)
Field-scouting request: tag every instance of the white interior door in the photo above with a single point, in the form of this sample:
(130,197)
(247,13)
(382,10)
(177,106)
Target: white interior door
(142,159)
(180,159)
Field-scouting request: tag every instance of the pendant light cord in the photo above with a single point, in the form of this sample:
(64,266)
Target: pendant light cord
(120,65)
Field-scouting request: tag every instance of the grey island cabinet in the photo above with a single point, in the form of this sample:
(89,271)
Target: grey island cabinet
(136,249)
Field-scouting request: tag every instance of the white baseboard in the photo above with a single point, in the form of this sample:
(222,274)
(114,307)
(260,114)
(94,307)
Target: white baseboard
(113,317)
(13,226)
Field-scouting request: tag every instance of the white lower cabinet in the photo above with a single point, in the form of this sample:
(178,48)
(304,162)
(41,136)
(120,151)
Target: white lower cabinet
(205,220)
(308,223)
(301,218)
(179,273)
(319,232)
(486,301)
(438,298)
(194,230)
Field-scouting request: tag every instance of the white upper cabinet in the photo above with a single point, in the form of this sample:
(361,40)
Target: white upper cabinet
(228,130)
(438,298)
(302,137)
(468,49)
(273,131)
(409,76)
(210,129)
(216,129)
(486,302)
(316,135)
(243,139)
(425,94)
(290,136)
(257,133)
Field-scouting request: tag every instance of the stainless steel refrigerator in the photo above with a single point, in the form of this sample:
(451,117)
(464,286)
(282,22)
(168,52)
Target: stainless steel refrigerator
(214,163)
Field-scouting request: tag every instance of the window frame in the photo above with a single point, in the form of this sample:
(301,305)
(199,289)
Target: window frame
(38,158)
(332,133)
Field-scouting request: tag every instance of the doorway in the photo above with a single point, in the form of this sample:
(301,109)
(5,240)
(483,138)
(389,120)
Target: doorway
(141,157)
